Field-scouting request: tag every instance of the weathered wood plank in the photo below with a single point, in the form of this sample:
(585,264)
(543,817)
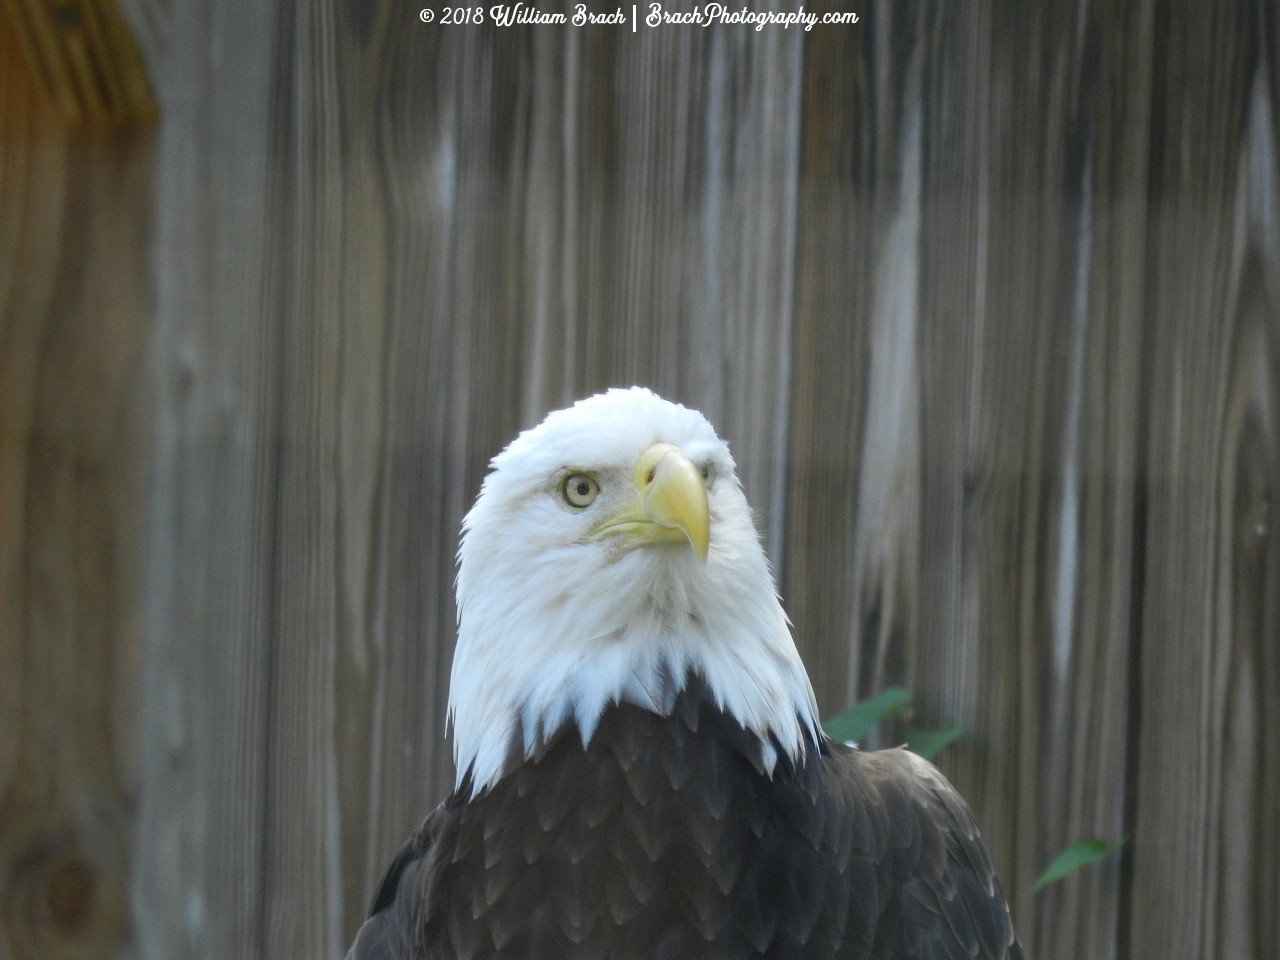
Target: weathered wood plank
(73,436)
(993,482)
(85,60)
(1028,492)
(839,196)
(1207,888)
(200,885)
(1082,783)
(326,294)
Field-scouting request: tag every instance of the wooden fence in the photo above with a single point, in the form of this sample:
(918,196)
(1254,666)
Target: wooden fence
(984,296)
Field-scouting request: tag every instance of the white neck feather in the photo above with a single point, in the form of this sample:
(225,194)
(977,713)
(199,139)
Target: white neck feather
(531,656)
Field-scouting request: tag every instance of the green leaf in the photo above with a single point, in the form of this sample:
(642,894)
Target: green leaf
(927,743)
(855,722)
(1077,855)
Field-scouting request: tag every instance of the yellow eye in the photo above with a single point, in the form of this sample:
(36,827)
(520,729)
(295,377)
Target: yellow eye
(579,490)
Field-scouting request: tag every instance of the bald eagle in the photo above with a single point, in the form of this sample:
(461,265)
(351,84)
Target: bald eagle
(641,771)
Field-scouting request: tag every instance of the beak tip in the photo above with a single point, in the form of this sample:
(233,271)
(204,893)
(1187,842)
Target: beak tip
(674,497)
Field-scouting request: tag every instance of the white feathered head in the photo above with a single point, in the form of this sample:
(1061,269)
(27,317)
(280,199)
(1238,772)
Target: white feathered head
(611,552)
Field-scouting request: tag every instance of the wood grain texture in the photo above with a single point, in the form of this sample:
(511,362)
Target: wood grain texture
(983,296)
(198,887)
(84,58)
(1027,495)
(984,526)
(73,434)
(838,200)
(1208,888)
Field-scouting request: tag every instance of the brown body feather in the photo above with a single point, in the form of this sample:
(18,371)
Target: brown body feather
(665,838)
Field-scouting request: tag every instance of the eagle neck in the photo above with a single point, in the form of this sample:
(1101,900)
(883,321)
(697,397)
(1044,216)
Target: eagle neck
(763,687)
(624,728)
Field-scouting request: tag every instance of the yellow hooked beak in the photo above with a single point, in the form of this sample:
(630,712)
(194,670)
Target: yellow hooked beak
(670,505)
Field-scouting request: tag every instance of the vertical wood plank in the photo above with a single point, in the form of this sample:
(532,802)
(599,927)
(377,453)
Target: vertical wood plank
(73,415)
(1208,470)
(200,888)
(85,59)
(326,295)
(1002,316)
(1082,782)
(884,559)
(839,191)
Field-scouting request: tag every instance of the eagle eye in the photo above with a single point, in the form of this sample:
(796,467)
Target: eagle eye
(579,489)
(708,473)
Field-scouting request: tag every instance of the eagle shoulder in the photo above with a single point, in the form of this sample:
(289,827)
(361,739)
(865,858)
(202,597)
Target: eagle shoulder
(394,912)
(900,813)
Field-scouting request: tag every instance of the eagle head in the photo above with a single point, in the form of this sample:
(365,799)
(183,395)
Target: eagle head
(610,556)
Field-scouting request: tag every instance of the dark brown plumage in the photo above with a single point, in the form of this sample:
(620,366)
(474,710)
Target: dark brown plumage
(665,838)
